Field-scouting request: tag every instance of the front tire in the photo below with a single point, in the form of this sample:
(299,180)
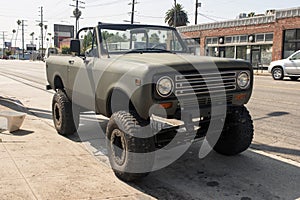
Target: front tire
(277,73)
(237,133)
(65,120)
(129,155)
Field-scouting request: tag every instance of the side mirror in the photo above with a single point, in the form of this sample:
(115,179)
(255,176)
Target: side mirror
(75,47)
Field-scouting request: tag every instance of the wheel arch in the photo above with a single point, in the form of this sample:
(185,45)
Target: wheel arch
(58,82)
(120,94)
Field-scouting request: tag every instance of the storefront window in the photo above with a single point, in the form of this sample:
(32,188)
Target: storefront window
(229,52)
(269,37)
(228,39)
(243,38)
(215,41)
(290,35)
(260,38)
(291,42)
(266,54)
(241,52)
(289,48)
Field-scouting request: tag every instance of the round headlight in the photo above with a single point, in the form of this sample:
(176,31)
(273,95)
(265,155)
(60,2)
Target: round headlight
(243,80)
(164,86)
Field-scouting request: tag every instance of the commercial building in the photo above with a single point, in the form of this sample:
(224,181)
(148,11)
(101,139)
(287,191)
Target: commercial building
(258,39)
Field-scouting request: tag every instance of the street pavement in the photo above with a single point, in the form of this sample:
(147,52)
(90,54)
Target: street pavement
(37,163)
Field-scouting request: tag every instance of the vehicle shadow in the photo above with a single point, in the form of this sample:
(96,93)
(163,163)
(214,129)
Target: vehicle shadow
(246,176)
(249,175)
(281,150)
(272,114)
(16,105)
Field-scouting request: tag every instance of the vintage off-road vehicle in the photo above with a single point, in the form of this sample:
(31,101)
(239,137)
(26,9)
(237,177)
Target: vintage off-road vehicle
(142,77)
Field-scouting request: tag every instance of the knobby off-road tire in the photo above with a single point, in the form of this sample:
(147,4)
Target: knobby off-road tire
(126,150)
(237,133)
(65,121)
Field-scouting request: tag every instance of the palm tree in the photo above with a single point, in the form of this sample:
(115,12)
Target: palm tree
(19,22)
(12,37)
(32,36)
(181,16)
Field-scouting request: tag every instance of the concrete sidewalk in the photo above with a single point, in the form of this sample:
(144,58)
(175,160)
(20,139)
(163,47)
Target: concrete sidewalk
(37,163)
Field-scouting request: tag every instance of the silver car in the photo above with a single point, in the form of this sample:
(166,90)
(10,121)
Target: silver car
(289,67)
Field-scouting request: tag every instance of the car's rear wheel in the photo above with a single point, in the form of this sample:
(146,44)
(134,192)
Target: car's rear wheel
(277,73)
(65,118)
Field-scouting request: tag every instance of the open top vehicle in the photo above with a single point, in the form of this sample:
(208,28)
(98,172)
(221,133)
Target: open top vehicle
(142,77)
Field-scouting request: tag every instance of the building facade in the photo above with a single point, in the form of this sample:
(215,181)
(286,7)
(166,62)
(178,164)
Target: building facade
(258,39)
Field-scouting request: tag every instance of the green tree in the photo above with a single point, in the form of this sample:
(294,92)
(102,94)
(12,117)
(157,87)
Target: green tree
(65,50)
(181,16)
(87,41)
(154,38)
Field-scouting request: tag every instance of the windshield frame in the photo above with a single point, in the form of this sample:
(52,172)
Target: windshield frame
(125,27)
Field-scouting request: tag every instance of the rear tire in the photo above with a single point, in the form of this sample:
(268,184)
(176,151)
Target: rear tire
(237,133)
(65,120)
(125,150)
(277,73)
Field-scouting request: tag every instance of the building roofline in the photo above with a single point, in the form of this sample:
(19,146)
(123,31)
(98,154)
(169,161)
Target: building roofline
(279,14)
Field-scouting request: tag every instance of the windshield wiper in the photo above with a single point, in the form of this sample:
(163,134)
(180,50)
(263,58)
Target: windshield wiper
(153,50)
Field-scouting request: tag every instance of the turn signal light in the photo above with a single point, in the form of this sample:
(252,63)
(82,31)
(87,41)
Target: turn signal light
(166,105)
(240,97)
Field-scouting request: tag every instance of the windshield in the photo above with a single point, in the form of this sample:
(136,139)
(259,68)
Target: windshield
(141,39)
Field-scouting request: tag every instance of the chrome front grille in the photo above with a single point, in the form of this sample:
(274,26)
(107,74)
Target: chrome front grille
(194,84)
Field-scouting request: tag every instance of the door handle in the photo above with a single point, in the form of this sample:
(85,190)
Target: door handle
(71,62)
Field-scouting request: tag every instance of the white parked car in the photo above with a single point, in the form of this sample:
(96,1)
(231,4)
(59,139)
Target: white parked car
(289,67)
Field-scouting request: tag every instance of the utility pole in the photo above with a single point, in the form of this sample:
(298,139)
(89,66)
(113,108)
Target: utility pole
(132,12)
(3,48)
(175,14)
(23,40)
(77,13)
(196,11)
(41,25)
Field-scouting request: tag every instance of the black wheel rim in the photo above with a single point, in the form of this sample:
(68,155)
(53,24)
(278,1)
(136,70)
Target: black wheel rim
(118,147)
(57,115)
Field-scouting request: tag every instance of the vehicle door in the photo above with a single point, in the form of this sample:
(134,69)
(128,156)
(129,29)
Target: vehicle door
(293,64)
(81,75)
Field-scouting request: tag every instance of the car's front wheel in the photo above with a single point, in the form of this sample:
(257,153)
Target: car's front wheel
(277,73)
(129,146)
(237,133)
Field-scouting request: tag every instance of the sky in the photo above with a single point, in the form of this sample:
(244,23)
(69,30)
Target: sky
(116,11)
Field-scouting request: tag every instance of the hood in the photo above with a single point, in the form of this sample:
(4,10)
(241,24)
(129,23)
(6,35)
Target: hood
(183,61)
(278,62)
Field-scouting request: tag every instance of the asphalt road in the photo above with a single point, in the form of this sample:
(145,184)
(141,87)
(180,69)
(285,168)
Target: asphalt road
(268,170)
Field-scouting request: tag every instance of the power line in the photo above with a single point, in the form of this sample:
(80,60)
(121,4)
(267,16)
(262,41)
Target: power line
(105,4)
